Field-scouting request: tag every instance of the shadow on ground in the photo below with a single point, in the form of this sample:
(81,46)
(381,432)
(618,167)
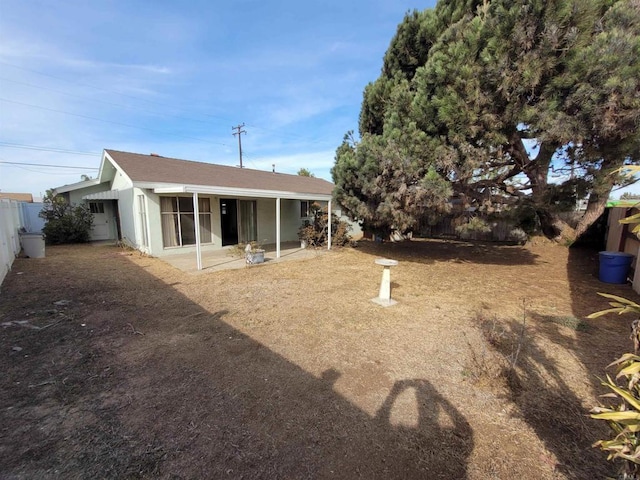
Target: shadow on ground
(540,388)
(102,380)
(431,250)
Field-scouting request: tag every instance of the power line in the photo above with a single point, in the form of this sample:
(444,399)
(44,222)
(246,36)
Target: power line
(110,121)
(48,165)
(273,131)
(159,114)
(103,89)
(286,135)
(47,149)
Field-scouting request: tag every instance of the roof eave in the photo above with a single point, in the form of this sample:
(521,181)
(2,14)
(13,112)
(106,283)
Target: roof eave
(77,186)
(164,188)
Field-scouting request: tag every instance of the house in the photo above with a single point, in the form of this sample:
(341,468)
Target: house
(151,202)
(18,197)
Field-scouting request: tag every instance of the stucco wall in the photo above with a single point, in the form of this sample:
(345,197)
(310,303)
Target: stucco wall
(75,196)
(290,220)
(266,221)
(127,218)
(120,182)
(156,245)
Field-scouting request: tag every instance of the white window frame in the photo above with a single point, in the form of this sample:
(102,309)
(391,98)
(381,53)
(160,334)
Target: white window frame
(179,223)
(142,212)
(305,206)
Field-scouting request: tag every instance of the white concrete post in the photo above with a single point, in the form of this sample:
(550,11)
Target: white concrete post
(384,295)
(278,227)
(196,214)
(385,284)
(329,226)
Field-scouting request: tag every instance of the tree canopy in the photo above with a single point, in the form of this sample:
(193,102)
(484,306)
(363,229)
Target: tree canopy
(486,100)
(305,172)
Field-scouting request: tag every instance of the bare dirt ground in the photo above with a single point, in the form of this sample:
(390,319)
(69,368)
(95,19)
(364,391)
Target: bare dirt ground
(116,365)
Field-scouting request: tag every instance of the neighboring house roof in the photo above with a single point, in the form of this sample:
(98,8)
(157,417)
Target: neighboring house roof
(623,203)
(18,197)
(162,170)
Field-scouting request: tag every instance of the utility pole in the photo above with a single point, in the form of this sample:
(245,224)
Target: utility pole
(239,133)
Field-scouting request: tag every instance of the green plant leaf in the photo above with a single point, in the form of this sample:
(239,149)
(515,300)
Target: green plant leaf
(629,370)
(631,400)
(635,218)
(629,457)
(621,417)
(603,312)
(618,299)
(625,358)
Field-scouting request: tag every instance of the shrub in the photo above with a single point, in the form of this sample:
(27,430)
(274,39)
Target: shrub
(471,228)
(314,232)
(623,411)
(65,223)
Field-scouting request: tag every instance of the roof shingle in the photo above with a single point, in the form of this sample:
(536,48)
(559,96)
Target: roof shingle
(19,197)
(157,169)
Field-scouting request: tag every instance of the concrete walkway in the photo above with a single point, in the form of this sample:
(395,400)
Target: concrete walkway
(223,260)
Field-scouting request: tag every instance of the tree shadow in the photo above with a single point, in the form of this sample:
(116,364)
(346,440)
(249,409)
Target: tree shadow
(428,251)
(544,399)
(125,387)
(549,401)
(606,338)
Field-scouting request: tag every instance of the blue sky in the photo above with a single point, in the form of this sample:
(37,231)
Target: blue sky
(173,77)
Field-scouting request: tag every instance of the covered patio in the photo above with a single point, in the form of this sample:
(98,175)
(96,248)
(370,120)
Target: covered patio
(277,196)
(228,259)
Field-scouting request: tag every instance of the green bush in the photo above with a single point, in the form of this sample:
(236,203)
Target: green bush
(469,229)
(314,232)
(65,223)
(622,412)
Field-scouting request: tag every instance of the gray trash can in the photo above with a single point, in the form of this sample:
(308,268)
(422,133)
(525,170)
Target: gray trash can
(32,244)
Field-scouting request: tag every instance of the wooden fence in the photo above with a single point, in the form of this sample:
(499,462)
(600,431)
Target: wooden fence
(446,227)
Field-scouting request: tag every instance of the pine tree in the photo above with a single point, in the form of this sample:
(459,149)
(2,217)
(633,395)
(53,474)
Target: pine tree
(486,99)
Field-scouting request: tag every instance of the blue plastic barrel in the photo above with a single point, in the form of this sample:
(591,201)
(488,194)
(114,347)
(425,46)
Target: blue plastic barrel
(614,267)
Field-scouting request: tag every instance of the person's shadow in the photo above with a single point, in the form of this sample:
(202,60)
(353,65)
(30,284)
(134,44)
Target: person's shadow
(441,439)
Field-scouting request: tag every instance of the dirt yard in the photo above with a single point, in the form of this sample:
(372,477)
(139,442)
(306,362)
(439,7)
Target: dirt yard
(116,365)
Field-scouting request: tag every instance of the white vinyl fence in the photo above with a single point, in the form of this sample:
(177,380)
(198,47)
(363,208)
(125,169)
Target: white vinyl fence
(10,224)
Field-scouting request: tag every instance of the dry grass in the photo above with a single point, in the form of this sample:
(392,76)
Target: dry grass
(289,371)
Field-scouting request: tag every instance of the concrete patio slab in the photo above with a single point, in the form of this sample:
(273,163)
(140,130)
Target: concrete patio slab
(225,260)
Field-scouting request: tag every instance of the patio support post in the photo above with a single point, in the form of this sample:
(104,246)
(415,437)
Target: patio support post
(278,227)
(196,214)
(329,226)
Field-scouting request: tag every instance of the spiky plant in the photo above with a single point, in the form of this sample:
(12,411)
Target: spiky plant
(622,414)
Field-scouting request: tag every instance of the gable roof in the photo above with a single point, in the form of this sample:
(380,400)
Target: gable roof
(19,197)
(156,169)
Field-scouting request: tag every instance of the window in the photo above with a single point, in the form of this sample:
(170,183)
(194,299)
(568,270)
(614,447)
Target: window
(142,208)
(305,208)
(96,207)
(178,222)
(248,221)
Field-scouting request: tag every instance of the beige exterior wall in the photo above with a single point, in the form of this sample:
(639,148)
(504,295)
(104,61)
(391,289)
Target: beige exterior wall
(74,197)
(131,218)
(154,215)
(290,220)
